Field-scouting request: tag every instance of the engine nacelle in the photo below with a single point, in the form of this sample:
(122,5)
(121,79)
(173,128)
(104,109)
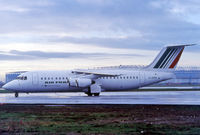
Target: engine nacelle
(79,82)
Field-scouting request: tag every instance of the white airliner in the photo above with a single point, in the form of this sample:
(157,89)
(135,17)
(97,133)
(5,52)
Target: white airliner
(94,81)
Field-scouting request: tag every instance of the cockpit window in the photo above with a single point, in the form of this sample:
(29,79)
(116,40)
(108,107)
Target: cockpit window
(22,78)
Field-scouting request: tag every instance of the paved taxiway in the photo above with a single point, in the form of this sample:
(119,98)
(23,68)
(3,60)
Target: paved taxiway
(162,97)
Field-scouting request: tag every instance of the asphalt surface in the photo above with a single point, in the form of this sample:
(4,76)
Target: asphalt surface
(155,98)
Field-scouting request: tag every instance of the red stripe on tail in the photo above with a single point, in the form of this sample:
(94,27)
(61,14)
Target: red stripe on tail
(176,60)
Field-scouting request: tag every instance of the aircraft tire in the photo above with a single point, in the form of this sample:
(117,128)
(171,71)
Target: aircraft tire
(96,94)
(89,94)
(16,94)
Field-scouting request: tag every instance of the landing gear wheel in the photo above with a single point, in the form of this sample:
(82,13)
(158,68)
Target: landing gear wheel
(96,94)
(16,94)
(89,94)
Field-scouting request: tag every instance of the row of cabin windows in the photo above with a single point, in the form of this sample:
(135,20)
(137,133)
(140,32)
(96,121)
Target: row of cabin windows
(118,77)
(55,82)
(51,78)
(121,77)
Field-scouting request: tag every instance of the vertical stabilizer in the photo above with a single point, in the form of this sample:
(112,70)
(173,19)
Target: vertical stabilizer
(168,57)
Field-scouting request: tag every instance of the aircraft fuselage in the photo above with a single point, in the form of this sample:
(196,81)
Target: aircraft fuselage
(58,81)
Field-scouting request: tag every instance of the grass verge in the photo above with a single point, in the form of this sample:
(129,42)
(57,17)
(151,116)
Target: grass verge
(134,120)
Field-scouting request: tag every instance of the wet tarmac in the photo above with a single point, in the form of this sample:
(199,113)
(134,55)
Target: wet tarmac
(157,98)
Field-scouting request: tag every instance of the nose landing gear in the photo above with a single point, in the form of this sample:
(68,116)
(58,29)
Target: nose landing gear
(16,94)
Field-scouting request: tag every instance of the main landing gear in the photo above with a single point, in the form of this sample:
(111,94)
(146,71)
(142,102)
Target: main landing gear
(16,94)
(91,94)
(96,94)
(94,89)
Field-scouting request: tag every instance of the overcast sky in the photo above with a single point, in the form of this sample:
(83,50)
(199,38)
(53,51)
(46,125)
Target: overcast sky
(67,34)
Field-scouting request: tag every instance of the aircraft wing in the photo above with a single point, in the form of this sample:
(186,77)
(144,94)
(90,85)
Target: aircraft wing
(96,74)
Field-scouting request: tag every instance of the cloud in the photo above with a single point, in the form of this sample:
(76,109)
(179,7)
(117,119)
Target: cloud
(184,10)
(38,55)
(38,29)
(93,2)
(13,9)
(108,23)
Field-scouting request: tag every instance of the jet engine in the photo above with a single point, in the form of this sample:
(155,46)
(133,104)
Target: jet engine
(79,82)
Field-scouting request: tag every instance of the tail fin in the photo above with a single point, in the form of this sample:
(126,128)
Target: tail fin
(168,57)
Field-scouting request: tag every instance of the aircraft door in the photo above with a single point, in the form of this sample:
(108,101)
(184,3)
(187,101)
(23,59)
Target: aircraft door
(35,79)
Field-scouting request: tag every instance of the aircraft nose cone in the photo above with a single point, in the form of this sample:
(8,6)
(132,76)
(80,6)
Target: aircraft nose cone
(13,85)
(6,86)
